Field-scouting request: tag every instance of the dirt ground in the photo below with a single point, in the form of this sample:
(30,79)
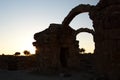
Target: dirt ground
(25,75)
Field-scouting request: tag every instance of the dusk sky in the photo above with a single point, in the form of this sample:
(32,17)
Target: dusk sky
(21,19)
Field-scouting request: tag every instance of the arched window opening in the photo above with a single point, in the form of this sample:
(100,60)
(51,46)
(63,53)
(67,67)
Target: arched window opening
(86,42)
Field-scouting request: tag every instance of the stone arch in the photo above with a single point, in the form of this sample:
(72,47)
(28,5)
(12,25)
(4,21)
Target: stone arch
(84,30)
(74,12)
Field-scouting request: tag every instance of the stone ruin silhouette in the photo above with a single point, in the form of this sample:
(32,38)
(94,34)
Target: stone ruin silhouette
(57,46)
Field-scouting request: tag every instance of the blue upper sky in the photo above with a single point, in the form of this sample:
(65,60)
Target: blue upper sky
(20,19)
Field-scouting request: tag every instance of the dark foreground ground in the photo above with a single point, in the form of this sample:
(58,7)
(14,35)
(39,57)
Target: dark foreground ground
(27,75)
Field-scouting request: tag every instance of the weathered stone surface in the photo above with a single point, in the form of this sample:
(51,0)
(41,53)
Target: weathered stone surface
(60,40)
(57,46)
(106,18)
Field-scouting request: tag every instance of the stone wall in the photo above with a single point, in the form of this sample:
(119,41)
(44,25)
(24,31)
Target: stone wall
(106,18)
(9,62)
(57,47)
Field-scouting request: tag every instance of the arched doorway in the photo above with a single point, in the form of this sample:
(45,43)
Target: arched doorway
(64,52)
(86,42)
